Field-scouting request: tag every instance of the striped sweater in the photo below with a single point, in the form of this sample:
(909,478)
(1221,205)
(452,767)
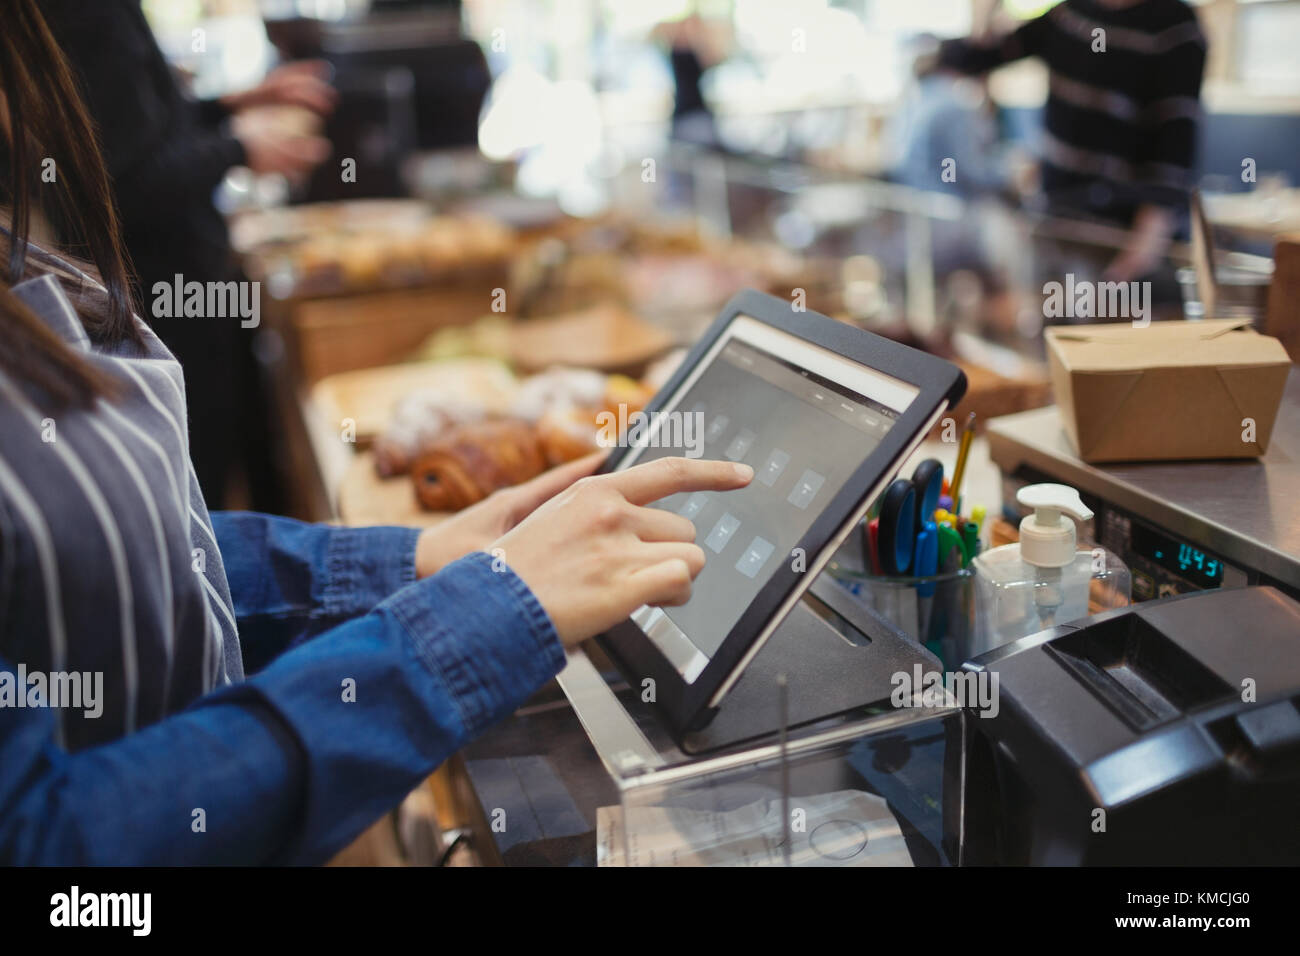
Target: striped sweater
(1123,105)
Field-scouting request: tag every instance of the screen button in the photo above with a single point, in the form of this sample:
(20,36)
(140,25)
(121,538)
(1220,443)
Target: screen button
(694,505)
(722,532)
(806,488)
(755,556)
(739,446)
(773,467)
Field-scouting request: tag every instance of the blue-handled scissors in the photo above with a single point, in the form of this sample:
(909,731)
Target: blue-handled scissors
(896,534)
(905,507)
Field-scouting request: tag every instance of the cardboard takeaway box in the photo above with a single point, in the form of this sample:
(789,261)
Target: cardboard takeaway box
(1167,390)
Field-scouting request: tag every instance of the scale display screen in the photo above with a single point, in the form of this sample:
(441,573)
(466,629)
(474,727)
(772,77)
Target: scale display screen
(1191,563)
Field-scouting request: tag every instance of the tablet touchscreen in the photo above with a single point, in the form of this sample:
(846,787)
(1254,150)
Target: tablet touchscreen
(804,418)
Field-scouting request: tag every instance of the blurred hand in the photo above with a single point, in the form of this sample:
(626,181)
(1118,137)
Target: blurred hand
(1128,266)
(1023,173)
(475,528)
(594,553)
(1148,241)
(304,83)
(271,148)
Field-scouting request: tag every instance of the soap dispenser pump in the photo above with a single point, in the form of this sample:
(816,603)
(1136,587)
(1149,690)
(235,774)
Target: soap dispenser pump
(1045,579)
(1047,538)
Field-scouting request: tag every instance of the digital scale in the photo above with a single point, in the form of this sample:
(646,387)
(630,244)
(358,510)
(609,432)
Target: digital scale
(1180,526)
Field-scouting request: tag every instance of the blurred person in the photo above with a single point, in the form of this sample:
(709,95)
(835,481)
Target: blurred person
(945,115)
(166,155)
(291,682)
(1120,123)
(690,54)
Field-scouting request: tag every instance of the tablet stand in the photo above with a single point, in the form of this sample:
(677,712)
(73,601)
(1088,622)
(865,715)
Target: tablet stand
(838,658)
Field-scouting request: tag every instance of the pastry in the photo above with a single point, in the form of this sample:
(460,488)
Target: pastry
(419,420)
(558,388)
(471,461)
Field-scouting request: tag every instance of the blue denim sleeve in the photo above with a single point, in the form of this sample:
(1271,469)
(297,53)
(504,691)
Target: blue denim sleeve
(291,581)
(293,763)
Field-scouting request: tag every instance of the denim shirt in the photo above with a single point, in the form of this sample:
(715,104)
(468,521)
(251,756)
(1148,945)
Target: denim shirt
(290,764)
(262,702)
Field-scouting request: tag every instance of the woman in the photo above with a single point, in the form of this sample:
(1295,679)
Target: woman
(373,653)
(166,154)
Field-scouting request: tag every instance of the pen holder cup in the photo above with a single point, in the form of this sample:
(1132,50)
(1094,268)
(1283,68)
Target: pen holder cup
(936,612)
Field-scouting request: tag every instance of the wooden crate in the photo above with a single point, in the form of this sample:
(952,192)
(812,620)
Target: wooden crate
(990,395)
(346,332)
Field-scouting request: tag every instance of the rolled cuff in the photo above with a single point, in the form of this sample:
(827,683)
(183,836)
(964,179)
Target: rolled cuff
(365,566)
(482,632)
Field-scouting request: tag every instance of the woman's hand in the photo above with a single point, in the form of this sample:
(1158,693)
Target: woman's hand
(475,528)
(593,554)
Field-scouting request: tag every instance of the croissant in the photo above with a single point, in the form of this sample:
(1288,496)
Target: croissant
(470,462)
(419,420)
(567,433)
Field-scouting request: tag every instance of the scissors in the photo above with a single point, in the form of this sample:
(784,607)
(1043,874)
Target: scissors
(908,503)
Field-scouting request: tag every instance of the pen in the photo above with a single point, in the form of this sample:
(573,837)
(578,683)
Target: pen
(873,545)
(970,534)
(952,550)
(926,560)
(952,558)
(925,565)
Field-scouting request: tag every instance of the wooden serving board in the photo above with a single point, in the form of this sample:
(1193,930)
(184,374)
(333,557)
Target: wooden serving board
(605,337)
(367,396)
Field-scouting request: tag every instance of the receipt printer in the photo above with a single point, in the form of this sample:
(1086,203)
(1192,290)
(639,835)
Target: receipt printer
(1164,733)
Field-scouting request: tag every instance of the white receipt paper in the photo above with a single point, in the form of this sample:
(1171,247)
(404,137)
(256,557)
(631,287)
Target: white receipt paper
(844,828)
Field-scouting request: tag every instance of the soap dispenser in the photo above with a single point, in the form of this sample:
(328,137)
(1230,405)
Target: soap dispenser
(1045,579)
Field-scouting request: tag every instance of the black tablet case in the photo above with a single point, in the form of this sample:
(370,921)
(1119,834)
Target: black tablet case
(802,644)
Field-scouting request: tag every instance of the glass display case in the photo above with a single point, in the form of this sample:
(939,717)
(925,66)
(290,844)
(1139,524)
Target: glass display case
(877,786)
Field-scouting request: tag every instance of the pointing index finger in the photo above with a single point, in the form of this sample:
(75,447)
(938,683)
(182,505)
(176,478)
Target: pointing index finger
(643,484)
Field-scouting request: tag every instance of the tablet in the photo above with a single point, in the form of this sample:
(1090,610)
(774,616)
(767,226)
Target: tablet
(825,413)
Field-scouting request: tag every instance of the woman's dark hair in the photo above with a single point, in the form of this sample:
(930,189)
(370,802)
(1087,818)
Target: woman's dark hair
(47,121)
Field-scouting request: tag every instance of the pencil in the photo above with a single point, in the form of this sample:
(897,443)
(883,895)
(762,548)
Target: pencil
(967,435)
